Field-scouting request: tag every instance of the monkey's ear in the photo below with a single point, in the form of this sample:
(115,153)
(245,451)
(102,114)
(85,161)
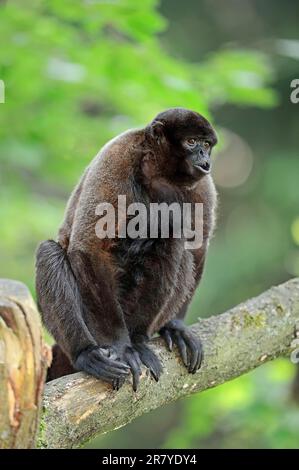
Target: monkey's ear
(156,130)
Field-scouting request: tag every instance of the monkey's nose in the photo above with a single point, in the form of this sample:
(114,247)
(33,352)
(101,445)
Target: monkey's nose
(203,164)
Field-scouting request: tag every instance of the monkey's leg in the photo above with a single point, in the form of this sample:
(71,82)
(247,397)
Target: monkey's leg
(102,312)
(147,356)
(189,346)
(61,306)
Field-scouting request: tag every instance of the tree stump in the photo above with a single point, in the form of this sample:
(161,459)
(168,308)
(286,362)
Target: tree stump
(24,358)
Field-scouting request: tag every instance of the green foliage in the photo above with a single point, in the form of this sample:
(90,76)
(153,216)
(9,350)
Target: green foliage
(237,77)
(77,73)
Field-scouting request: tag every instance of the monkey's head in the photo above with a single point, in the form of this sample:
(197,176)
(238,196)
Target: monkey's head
(182,142)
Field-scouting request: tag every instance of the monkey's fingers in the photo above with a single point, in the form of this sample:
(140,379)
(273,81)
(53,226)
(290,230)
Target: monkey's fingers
(150,360)
(132,358)
(180,342)
(118,383)
(101,354)
(109,367)
(188,344)
(164,332)
(199,361)
(194,351)
(99,372)
(110,352)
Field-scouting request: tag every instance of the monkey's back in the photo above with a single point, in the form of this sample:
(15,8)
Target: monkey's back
(107,176)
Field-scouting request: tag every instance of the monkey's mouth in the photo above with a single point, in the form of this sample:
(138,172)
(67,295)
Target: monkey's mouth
(204,167)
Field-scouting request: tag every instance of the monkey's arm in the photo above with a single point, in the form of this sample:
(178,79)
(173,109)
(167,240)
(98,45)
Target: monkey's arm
(199,263)
(176,332)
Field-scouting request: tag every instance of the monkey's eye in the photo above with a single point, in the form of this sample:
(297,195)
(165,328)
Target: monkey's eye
(191,142)
(206,145)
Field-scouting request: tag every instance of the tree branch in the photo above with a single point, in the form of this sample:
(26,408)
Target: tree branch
(78,407)
(23,363)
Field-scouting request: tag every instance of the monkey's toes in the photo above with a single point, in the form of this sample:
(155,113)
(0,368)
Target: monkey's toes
(149,359)
(189,346)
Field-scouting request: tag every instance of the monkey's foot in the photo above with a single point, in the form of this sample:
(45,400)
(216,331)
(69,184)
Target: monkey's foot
(189,346)
(103,363)
(149,359)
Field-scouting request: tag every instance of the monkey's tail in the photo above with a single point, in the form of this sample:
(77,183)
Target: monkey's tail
(60,365)
(57,292)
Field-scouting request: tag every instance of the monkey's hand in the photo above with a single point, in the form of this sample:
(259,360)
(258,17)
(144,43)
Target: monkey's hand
(147,356)
(189,346)
(103,363)
(131,357)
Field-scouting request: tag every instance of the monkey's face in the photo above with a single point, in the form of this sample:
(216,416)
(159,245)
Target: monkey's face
(185,139)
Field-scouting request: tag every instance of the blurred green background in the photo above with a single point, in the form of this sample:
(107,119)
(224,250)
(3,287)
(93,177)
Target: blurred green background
(79,72)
